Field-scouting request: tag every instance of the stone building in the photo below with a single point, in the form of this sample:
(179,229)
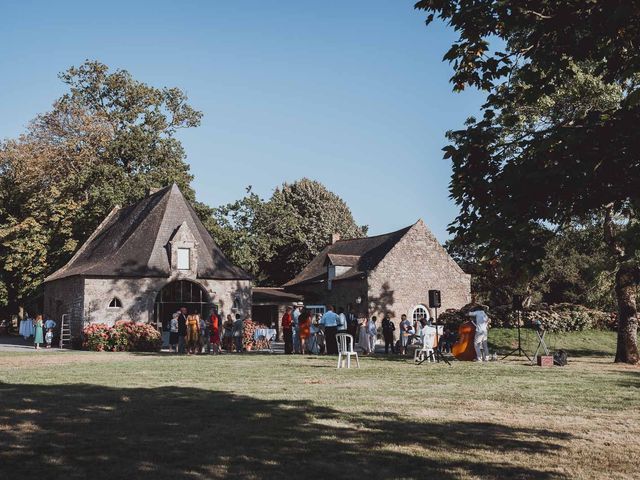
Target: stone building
(269,305)
(142,263)
(388,274)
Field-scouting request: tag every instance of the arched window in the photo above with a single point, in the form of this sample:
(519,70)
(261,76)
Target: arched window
(115,303)
(420,312)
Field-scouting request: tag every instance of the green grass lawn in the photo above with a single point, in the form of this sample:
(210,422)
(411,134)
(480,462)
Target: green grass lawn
(112,415)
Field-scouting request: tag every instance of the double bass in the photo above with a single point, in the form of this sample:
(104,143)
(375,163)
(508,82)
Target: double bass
(463,349)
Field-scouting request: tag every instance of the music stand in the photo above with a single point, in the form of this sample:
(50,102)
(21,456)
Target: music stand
(519,350)
(541,343)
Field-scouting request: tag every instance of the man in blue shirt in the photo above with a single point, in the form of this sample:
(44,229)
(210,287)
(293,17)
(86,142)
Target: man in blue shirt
(330,322)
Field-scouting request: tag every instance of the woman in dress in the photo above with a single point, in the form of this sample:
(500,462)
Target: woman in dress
(173,332)
(372,332)
(215,333)
(227,337)
(304,327)
(38,336)
(363,335)
(193,325)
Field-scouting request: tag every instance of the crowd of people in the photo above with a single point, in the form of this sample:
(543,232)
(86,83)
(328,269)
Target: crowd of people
(194,334)
(303,331)
(41,328)
(306,332)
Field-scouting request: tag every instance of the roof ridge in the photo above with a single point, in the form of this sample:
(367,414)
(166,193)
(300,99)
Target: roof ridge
(159,224)
(374,236)
(134,230)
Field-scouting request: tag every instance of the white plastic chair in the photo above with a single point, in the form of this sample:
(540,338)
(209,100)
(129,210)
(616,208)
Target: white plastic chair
(425,353)
(345,348)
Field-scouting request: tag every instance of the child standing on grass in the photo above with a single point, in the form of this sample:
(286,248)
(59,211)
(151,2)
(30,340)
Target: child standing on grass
(48,337)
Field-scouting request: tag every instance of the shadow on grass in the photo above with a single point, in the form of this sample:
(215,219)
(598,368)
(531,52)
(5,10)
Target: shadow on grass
(587,352)
(90,431)
(632,379)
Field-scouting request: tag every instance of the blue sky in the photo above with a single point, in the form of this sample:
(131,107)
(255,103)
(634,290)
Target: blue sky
(351,93)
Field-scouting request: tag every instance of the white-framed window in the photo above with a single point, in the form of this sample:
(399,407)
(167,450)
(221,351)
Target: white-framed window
(115,303)
(419,312)
(184,259)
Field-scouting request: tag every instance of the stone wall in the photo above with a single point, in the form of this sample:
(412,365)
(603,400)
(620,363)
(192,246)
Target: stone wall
(65,296)
(342,294)
(86,300)
(138,295)
(415,265)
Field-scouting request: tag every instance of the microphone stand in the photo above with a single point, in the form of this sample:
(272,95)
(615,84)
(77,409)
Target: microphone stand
(519,350)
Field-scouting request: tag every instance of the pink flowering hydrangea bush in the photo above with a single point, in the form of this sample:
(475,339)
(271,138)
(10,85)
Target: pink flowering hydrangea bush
(124,336)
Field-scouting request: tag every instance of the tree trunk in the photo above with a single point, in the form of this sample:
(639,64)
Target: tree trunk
(626,281)
(627,278)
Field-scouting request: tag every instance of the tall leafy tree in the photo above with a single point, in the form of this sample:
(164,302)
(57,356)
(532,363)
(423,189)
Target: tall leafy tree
(556,142)
(276,238)
(107,141)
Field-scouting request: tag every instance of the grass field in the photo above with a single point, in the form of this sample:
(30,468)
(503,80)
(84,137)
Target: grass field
(108,415)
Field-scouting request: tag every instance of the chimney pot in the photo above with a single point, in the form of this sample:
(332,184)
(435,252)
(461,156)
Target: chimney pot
(334,238)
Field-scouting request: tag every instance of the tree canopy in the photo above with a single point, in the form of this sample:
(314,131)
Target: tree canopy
(105,142)
(556,142)
(276,238)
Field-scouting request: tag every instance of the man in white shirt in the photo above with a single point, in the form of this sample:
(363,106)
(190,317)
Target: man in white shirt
(342,321)
(330,321)
(481,321)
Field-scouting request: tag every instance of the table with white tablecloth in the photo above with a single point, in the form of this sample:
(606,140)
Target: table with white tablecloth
(26,328)
(265,334)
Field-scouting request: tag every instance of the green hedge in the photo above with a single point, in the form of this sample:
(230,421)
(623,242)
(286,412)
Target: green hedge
(561,317)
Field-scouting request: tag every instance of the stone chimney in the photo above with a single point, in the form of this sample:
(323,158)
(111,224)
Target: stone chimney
(334,238)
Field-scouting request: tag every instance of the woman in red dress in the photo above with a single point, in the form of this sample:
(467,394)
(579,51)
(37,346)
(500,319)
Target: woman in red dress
(304,325)
(215,333)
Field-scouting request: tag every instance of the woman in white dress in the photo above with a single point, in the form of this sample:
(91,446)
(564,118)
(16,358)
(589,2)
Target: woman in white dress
(372,333)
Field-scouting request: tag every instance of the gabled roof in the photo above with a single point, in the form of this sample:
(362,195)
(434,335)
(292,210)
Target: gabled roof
(361,254)
(133,242)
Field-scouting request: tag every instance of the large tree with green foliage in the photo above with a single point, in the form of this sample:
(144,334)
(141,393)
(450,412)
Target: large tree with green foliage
(275,239)
(576,268)
(107,141)
(557,140)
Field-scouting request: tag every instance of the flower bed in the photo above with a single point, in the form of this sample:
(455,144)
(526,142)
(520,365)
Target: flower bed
(124,336)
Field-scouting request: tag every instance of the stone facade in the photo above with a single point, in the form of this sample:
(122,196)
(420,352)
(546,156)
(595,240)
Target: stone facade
(66,296)
(415,265)
(398,282)
(87,300)
(141,263)
(344,293)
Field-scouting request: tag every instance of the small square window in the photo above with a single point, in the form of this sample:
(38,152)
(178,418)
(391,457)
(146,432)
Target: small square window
(184,259)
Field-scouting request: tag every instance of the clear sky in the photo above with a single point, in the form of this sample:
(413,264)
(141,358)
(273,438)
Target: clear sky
(351,93)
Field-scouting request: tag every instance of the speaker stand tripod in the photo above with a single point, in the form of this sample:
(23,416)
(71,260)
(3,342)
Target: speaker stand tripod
(519,350)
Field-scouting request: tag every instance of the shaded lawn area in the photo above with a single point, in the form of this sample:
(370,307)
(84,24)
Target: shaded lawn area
(106,415)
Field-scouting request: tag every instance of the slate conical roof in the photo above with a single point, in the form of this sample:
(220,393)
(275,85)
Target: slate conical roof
(133,242)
